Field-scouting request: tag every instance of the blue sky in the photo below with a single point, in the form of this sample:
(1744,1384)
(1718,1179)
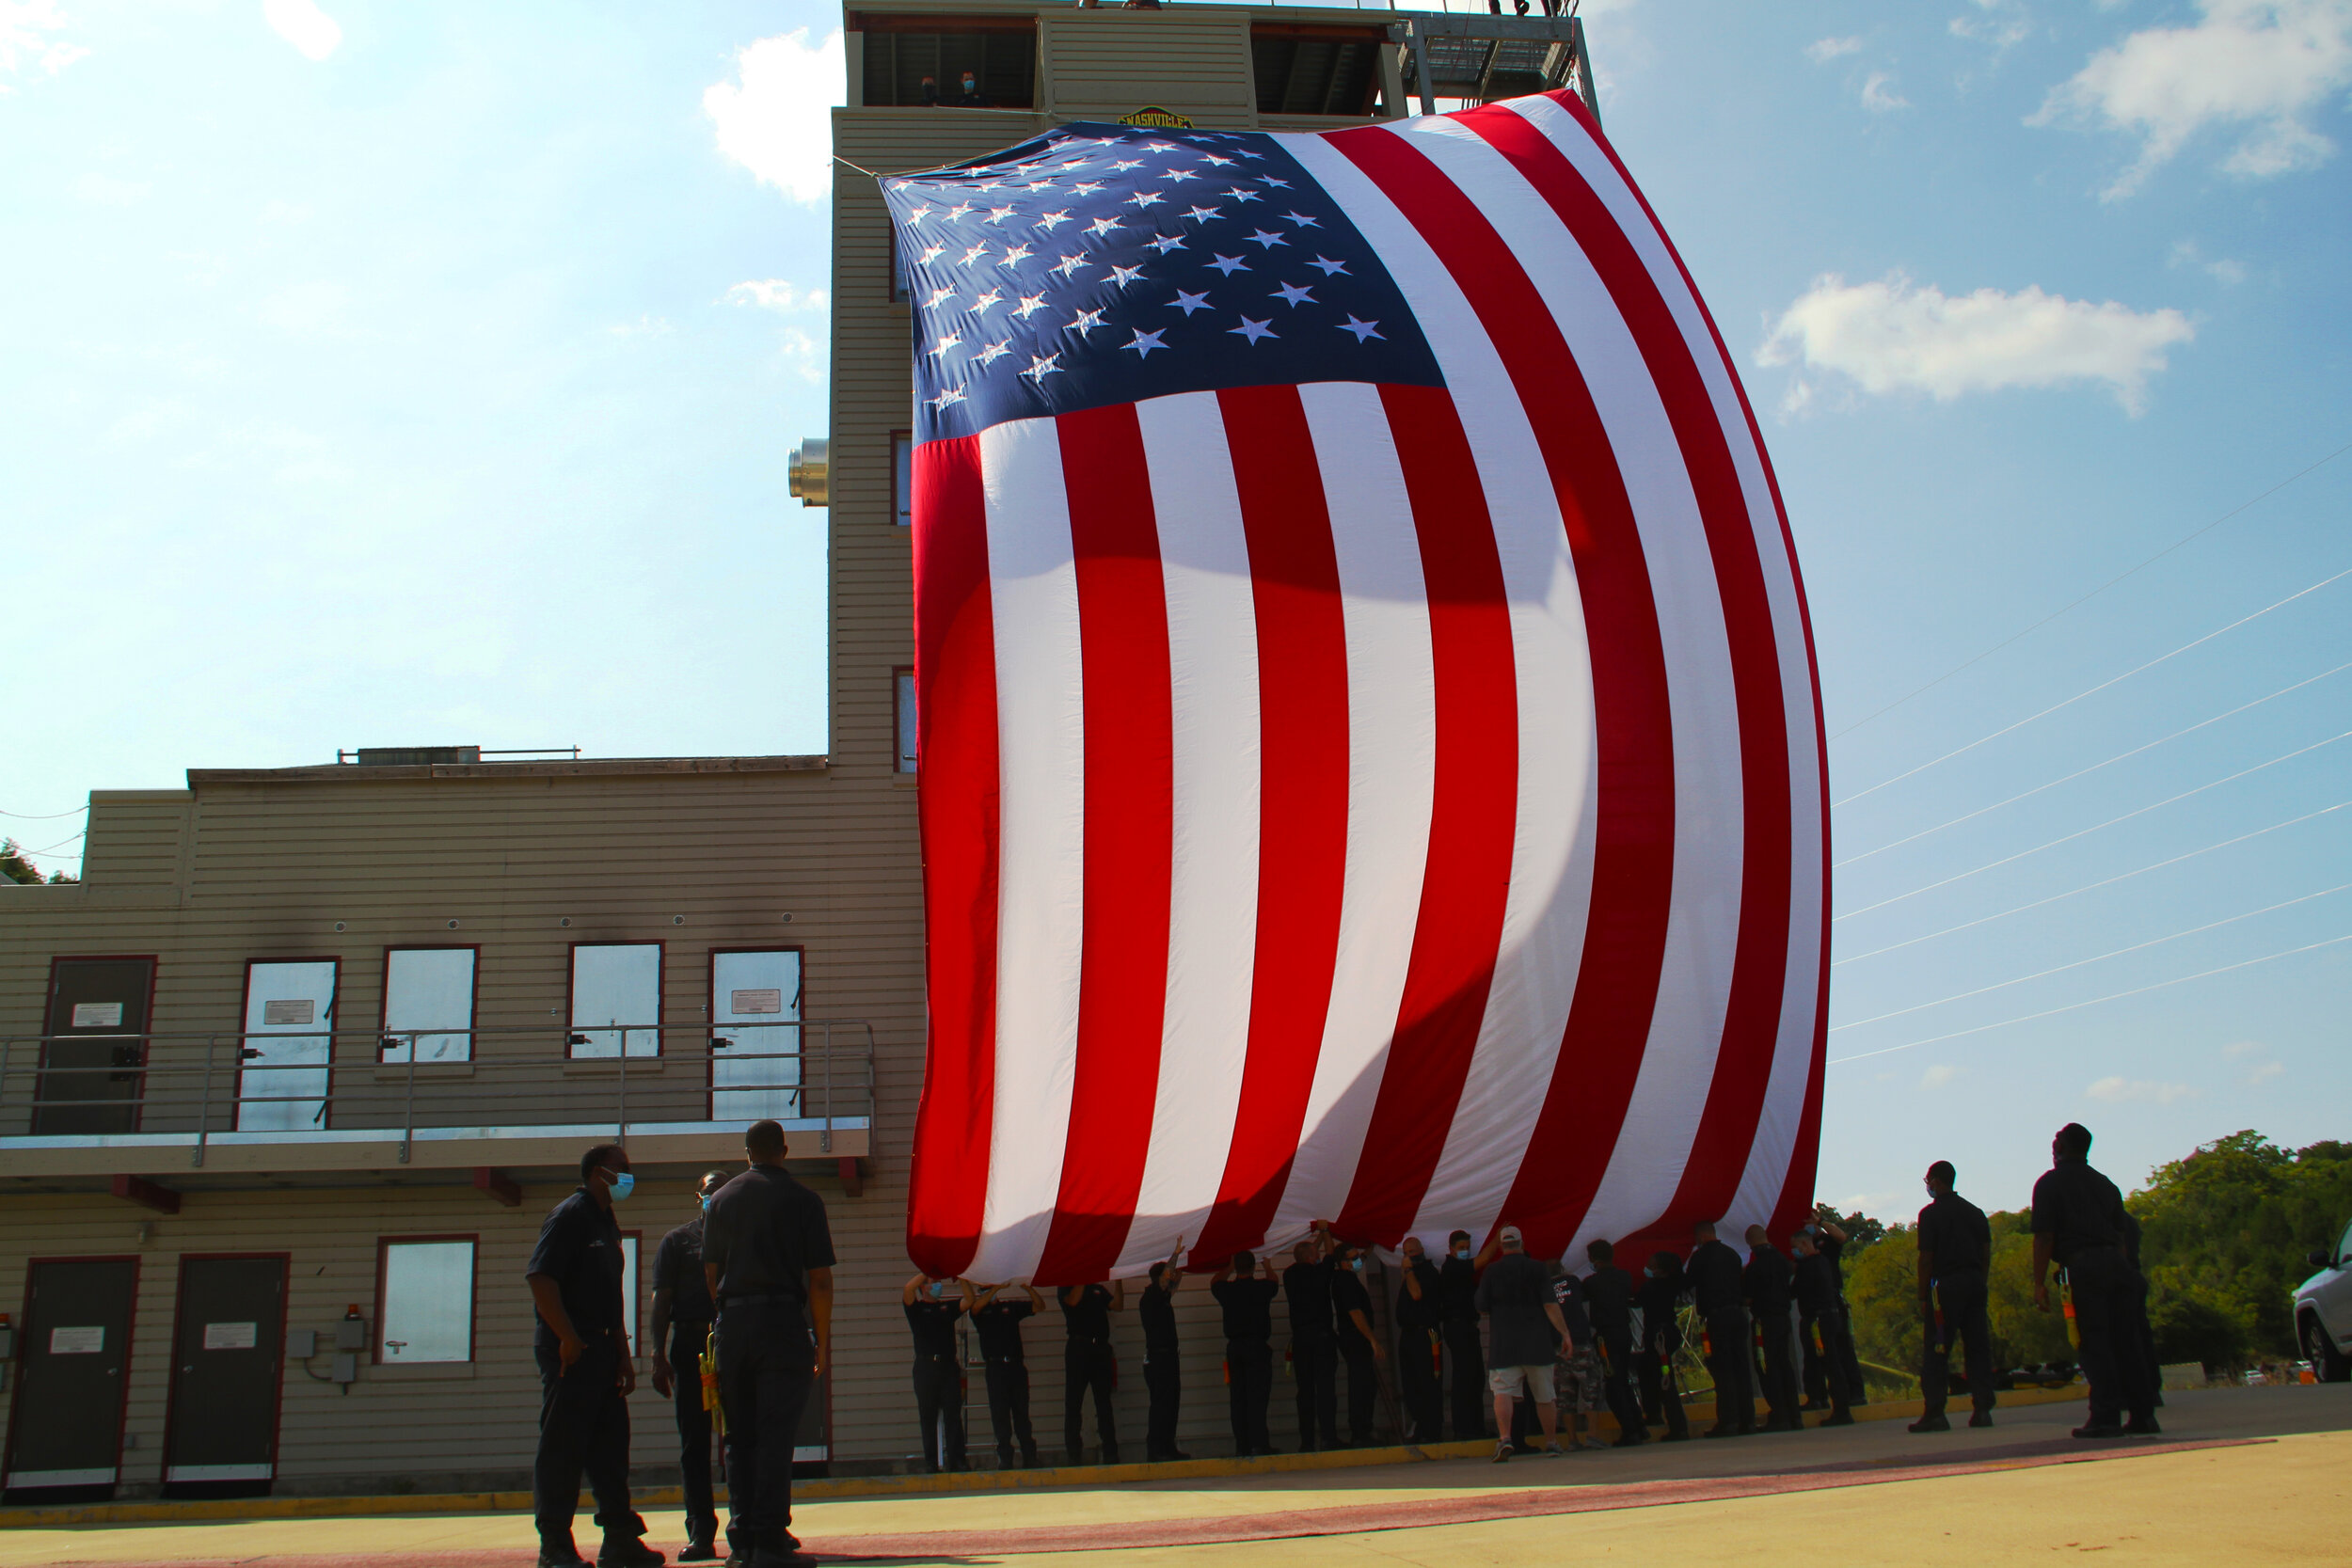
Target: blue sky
(418,373)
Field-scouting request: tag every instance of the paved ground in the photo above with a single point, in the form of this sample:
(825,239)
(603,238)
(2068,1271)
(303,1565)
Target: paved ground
(2241,1476)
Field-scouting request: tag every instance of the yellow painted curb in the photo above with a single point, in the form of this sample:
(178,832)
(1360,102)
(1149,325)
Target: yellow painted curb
(865,1486)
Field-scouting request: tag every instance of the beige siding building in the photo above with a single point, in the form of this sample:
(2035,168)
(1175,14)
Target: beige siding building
(288,1082)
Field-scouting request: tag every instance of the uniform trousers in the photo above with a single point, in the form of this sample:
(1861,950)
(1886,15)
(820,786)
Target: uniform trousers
(1733,1362)
(2107,1291)
(1088,1364)
(939,1405)
(1008,1408)
(766,1365)
(1470,1400)
(1416,1376)
(1249,1385)
(1165,1382)
(1776,1331)
(694,1428)
(1315,1367)
(1661,1393)
(583,1428)
(1363,1385)
(1616,1379)
(1823,1340)
(1959,1302)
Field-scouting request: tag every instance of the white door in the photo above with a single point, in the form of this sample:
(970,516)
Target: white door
(288,1009)
(755,1035)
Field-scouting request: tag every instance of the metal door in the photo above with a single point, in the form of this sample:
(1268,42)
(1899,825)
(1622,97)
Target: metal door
(755,1034)
(228,1348)
(67,1426)
(91,1081)
(289,1011)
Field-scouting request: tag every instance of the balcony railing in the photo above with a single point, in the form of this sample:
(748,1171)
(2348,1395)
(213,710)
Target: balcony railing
(205,1090)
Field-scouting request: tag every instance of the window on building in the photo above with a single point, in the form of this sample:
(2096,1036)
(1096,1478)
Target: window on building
(428,998)
(902,478)
(424,1300)
(617,984)
(901,50)
(1310,70)
(903,702)
(898,271)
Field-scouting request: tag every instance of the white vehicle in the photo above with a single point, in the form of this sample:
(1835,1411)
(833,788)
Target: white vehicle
(2323,1312)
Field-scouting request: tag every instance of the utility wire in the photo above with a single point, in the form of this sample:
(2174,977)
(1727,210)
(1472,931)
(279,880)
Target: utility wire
(2070,778)
(2068,838)
(2111,996)
(2060,969)
(2093,595)
(2090,887)
(51,816)
(2096,689)
(59,844)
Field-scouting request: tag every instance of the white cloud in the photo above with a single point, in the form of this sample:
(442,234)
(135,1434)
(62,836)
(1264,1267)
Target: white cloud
(776,119)
(1822,50)
(1938,1076)
(2185,254)
(1877,98)
(805,355)
(2120,1090)
(2003,30)
(2264,1073)
(1893,335)
(2259,64)
(776,293)
(2241,1048)
(300,22)
(25,45)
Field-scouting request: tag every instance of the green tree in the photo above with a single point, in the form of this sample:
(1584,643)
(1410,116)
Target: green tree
(2222,1238)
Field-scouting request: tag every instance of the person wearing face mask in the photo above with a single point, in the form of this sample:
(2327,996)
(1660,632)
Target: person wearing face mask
(1457,1315)
(1360,1346)
(1418,1346)
(682,1315)
(1608,1297)
(582,1344)
(968,92)
(933,1307)
(1660,1301)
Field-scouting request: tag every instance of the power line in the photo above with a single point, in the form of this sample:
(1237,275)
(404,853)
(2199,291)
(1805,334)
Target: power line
(2094,691)
(2090,887)
(24,817)
(2068,838)
(2111,996)
(2093,595)
(59,844)
(2070,778)
(2078,964)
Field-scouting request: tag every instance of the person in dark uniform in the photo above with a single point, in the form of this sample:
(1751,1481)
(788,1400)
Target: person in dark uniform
(1955,1253)
(1770,1285)
(1162,1378)
(1457,1318)
(682,1315)
(1830,1238)
(1245,1297)
(1821,1325)
(1717,1281)
(1089,1362)
(1314,1351)
(997,1319)
(1660,1301)
(768,1257)
(586,1372)
(933,1307)
(2146,1332)
(1358,1344)
(1417,1347)
(2078,1222)
(1609,1301)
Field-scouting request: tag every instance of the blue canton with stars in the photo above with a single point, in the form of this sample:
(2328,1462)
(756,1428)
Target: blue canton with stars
(1103,265)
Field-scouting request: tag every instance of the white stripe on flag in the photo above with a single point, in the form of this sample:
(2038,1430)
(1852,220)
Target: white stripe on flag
(1033,590)
(1212,913)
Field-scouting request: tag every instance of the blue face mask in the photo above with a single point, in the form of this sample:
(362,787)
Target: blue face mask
(623,1184)
(1463,1253)
(1356,1263)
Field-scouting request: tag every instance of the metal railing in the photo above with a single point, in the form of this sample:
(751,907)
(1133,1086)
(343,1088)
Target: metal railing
(242,1084)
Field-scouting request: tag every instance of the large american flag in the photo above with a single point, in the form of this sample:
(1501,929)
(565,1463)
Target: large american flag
(1371,767)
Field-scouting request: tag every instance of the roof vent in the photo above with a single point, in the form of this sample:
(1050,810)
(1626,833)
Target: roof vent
(807,475)
(410,757)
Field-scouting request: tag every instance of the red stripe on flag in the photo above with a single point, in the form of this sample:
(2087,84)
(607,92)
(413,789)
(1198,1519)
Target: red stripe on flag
(1302,717)
(1616,991)
(1123,971)
(1743,1063)
(1473,816)
(955,676)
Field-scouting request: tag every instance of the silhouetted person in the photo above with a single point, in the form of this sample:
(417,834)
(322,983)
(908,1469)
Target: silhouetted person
(1955,1256)
(2078,1222)
(1245,1295)
(1716,1278)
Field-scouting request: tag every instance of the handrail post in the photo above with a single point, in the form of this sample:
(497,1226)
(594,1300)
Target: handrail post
(204,1104)
(620,1131)
(829,1085)
(408,1117)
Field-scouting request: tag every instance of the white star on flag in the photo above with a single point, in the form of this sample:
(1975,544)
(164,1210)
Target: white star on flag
(1361,329)
(1190,302)
(1145,342)
(1254,330)
(1295,293)
(1042,366)
(1229,265)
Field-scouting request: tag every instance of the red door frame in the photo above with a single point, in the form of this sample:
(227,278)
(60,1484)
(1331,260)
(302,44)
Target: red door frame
(147,1018)
(24,1350)
(660,998)
(384,991)
(711,1015)
(334,1006)
(178,1311)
